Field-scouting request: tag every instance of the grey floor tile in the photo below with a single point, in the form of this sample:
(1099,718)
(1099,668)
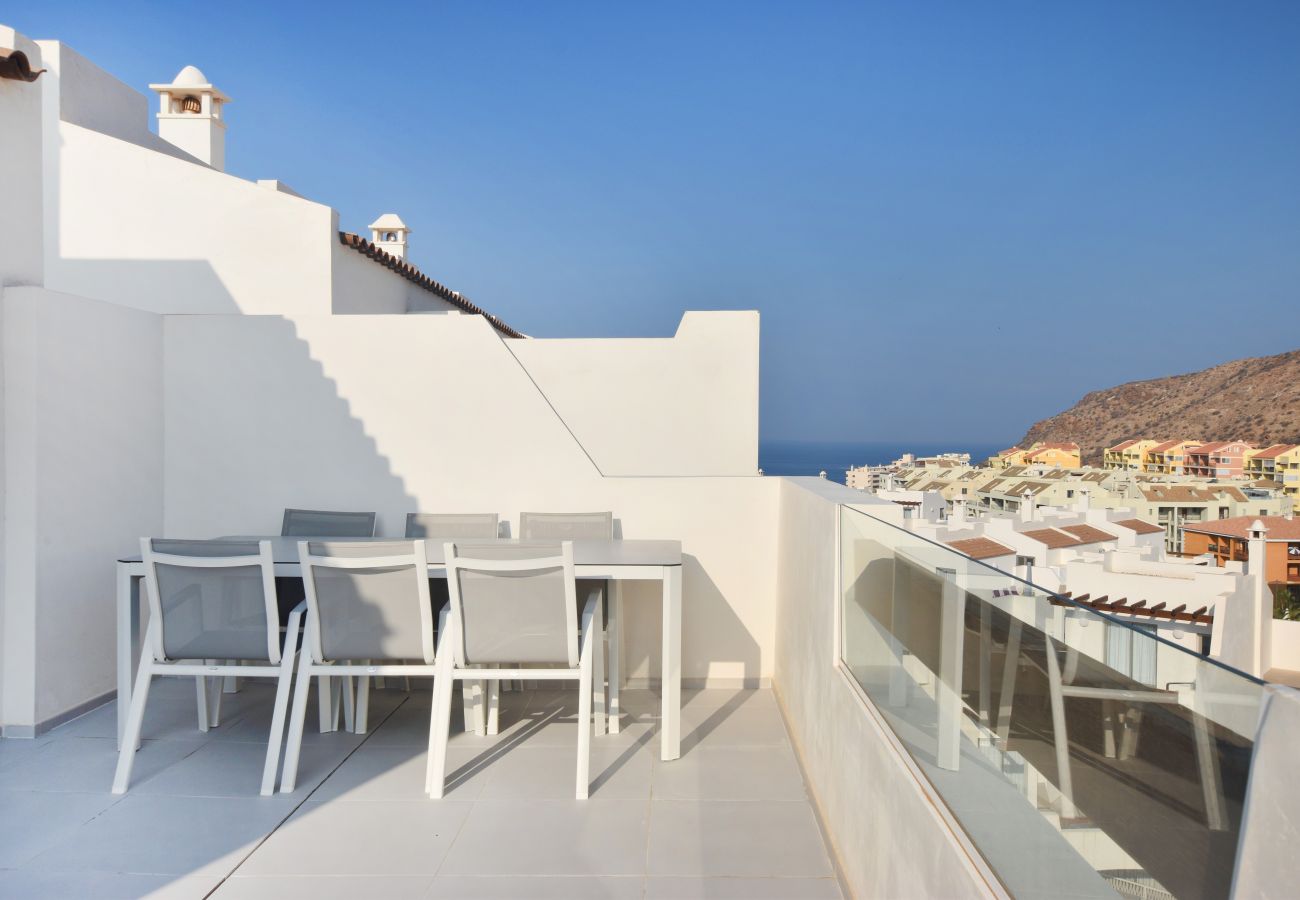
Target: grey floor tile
(32,821)
(87,764)
(397,773)
(730,773)
(742,889)
(166,836)
(744,724)
(325,887)
(234,769)
(745,838)
(165,719)
(379,838)
(36,885)
(20,750)
(450,887)
(532,772)
(551,837)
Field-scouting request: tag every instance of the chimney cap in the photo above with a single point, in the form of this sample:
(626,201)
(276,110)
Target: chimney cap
(389,222)
(1258,527)
(191,78)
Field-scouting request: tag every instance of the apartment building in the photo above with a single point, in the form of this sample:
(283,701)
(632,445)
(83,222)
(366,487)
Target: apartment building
(1229,541)
(1127,455)
(1288,473)
(1064,454)
(1262,464)
(1217,459)
(1168,458)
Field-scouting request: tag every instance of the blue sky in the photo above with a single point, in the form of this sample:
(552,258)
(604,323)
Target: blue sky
(955,218)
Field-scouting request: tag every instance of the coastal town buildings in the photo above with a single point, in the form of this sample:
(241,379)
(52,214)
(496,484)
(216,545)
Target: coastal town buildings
(1129,455)
(1046,453)
(1229,540)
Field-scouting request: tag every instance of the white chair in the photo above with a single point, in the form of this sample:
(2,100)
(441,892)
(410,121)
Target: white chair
(324,523)
(514,607)
(588,526)
(443,527)
(212,600)
(366,602)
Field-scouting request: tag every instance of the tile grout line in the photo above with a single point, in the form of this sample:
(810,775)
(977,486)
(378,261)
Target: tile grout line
(370,732)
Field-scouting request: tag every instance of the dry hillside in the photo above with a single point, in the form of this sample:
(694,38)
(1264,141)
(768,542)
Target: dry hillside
(1255,400)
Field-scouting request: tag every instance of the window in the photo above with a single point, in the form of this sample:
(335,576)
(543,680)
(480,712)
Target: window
(1130,652)
(1223,512)
(1069,494)
(1027,561)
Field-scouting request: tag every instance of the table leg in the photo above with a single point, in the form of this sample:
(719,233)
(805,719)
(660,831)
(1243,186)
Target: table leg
(128,641)
(615,629)
(671,675)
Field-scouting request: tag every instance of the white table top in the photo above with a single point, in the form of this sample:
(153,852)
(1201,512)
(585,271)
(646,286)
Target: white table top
(585,553)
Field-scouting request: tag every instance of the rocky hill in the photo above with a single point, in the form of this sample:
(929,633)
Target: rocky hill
(1255,400)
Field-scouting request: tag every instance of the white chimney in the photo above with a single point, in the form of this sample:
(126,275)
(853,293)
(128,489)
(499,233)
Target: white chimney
(190,116)
(389,232)
(959,512)
(1256,549)
(1027,506)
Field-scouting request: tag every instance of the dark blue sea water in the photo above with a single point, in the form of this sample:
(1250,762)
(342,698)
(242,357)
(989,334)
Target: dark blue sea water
(811,457)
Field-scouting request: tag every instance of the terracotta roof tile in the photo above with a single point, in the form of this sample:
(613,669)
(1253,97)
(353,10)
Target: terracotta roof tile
(1054,539)
(1140,526)
(1279,528)
(980,548)
(1273,452)
(418,278)
(1088,534)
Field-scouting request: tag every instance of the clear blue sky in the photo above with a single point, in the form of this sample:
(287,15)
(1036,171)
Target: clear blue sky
(955,218)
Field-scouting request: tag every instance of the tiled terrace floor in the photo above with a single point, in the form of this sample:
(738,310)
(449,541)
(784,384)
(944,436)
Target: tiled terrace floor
(730,819)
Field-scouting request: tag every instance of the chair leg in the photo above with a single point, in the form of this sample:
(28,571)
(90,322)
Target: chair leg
(289,780)
(134,722)
(201,698)
(614,635)
(282,685)
(349,703)
(598,669)
(493,705)
(435,775)
(363,701)
(214,701)
(584,711)
(327,701)
(472,695)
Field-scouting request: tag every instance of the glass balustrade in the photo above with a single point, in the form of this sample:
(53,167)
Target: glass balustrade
(1084,756)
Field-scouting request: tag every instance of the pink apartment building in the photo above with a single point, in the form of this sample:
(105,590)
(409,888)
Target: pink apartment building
(1217,459)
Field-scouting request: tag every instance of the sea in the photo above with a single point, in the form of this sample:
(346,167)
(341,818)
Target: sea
(783,457)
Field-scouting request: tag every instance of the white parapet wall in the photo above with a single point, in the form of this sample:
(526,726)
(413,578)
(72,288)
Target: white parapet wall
(83,480)
(882,820)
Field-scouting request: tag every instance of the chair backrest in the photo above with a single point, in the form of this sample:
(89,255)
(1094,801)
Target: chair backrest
(452,526)
(211,599)
(513,603)
(583,526)
(368,600)
(327,523)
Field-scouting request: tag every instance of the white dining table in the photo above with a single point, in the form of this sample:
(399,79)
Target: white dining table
(614,561)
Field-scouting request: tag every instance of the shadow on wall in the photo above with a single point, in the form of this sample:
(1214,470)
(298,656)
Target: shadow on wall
(298,418)
(726,645)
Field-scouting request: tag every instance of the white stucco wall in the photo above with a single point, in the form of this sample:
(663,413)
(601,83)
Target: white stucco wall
(362,285)
(682,405)
(433,413)
(146,230)
(21,214)
(83,427)
(888,834)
